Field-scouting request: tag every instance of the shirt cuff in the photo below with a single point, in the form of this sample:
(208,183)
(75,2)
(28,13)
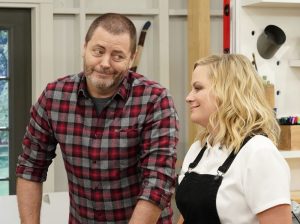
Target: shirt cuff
(28,173)
(156,196)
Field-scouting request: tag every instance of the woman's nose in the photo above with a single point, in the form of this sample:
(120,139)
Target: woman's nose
(188,98)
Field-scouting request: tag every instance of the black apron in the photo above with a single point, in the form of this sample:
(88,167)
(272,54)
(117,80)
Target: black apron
(197,193)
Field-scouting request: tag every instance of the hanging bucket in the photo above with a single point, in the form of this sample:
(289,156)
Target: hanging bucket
(270,41)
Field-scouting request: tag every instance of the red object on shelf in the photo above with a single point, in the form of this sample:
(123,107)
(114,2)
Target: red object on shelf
(226,26)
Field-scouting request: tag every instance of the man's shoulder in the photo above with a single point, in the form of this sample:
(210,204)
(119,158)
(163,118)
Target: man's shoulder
(153,87)
(67,83)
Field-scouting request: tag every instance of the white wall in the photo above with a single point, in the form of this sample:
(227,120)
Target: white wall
(164,56)
(255,17)
(58,30)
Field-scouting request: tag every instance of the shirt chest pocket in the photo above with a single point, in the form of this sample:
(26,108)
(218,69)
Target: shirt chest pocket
(124,147)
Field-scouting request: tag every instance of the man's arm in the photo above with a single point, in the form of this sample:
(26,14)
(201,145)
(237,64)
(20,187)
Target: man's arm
(29,195)
(180,220)
(145,212)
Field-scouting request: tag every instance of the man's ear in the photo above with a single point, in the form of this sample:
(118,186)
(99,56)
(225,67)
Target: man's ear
(83,50)
(132,59)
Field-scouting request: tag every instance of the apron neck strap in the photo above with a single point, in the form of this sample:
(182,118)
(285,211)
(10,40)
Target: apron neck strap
(198,158)
(225,166)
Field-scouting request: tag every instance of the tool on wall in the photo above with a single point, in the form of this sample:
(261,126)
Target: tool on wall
(140,46)
(254,61)
(270,40)
(226,26)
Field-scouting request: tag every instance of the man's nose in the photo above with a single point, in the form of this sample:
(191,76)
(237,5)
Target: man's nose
(105,61)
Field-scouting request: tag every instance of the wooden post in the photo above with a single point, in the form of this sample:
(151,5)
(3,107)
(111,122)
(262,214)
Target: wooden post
(198,41)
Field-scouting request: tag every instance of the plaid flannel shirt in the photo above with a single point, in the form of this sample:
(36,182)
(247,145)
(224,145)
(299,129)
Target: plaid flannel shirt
(113,159)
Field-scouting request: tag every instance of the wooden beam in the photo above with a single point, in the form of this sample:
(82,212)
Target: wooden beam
(198,41)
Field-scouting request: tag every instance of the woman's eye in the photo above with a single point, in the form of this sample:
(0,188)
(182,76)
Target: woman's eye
(197,88)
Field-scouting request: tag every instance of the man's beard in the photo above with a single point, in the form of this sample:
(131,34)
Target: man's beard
(103,83)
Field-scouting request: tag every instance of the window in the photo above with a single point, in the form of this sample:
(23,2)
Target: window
(15,90)
(4,120)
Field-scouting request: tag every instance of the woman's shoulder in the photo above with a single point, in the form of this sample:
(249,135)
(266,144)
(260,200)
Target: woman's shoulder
(259,143)
(261,150)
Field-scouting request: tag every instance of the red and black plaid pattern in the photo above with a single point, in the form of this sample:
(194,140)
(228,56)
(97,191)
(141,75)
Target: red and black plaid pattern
(112,159)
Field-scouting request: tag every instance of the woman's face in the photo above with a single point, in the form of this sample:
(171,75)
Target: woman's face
(201,100)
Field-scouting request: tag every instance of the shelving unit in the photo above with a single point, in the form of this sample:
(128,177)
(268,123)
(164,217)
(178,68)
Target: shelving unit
(178,12)
(66,11)
(294,63)
(142,12)
(251,18)
(271,3)
(290,154)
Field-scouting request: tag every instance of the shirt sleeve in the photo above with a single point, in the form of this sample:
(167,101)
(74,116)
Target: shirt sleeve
(267,177)
(158,157)
(38,144)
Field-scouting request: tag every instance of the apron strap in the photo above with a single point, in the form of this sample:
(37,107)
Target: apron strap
(198,158)
(225,166)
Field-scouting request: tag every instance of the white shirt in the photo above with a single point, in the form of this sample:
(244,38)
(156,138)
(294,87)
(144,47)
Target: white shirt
(258,179)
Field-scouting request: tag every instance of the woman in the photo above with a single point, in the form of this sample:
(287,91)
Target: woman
(233,174)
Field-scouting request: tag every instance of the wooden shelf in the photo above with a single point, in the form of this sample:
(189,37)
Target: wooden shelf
(66,11)
(149,12)
(293,154)
(271,3)
(75,11)
(294,63)
(178,12)
(183,12)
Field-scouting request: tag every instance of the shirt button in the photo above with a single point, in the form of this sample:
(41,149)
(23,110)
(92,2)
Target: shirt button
(95,186)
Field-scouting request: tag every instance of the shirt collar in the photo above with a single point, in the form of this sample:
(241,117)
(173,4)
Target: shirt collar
(123,90)
(82,89)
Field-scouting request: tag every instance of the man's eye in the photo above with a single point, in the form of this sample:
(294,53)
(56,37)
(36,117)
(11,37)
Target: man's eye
(98,52)
(118,57)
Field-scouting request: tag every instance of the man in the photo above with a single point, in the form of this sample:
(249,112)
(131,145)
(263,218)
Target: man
(117,131)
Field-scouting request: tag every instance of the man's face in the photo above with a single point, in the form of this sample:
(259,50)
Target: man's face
(107,58)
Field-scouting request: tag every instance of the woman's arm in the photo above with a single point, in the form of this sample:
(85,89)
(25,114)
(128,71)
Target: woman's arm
(280,214)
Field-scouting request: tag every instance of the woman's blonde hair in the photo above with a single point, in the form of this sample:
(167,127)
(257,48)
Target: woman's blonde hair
(242,107)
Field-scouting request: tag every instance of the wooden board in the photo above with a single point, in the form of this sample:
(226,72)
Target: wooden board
(198,41)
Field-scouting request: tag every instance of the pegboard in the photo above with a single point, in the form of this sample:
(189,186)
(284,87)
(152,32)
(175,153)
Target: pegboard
(283,70)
